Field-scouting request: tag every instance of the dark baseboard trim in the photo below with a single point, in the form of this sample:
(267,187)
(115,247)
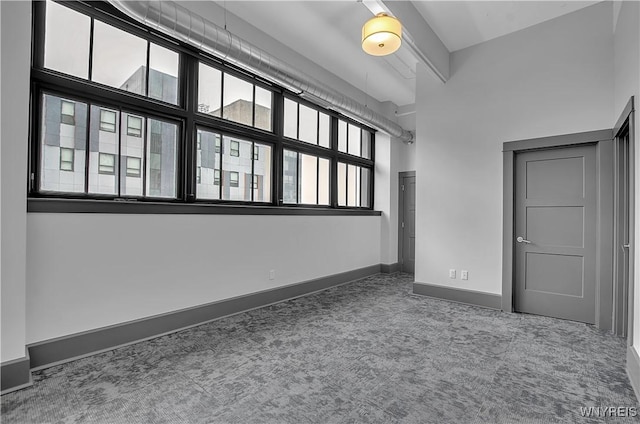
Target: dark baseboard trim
(470,297)
(633,370)
(389,268)
(15,375)
(64,349)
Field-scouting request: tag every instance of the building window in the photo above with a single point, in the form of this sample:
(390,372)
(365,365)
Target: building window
(134,167)
(255,182)
(234,179)
(235,148)
(256,153)
(134,126)
(67,112)
(66,159)
(216,177)
(199,141)
(199,175)
(107,164)
(218,145)
(107,120)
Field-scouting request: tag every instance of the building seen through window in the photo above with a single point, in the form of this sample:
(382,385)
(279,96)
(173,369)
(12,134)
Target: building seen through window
(128,134)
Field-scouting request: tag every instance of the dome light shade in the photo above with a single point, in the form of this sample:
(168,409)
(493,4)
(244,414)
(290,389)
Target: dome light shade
(381,35)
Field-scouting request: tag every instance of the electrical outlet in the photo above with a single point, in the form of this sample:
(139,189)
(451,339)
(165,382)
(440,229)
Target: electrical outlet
(464,274)
(452,273)
(272,274)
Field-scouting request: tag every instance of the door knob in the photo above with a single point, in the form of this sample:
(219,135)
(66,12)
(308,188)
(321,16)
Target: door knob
(522,240)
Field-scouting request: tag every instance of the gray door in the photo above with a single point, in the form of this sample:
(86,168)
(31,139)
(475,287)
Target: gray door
(555,246)
(407,224)
(622,233)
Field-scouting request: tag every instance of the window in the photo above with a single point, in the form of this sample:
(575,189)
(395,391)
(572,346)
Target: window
(118,58)
(306,124)
(234,179)
(306,179)
(108,120)
(134,167)
(107,164)
(134,126)
(120,123)
(209,162)
(62,146)
(354,185)
(67,42)
(66,159)
(226,96)
(235,148)
(354,140)
(245,166)
(67,112)
(162,159)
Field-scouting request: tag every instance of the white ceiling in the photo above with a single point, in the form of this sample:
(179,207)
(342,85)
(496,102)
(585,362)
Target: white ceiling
(461,24)
(328,33)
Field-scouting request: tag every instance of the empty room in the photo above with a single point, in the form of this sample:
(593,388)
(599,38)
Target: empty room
(363,211)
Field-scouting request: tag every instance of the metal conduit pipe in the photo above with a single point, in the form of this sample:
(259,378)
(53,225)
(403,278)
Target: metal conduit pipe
(177,21)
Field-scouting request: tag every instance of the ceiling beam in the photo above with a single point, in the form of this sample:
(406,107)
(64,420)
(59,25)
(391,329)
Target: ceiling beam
(417,35)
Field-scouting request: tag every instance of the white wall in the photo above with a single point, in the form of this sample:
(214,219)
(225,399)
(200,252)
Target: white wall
(16,44)
(384,176)
(627,84)
(552,78)
(87,271)
(92,270)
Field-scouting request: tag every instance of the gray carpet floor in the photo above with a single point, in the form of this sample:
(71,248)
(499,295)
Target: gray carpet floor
(365,352)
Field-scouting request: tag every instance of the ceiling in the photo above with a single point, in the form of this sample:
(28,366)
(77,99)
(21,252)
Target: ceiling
(334,42)
(461,24)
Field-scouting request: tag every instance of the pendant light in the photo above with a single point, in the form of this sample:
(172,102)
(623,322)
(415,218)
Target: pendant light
(381,35)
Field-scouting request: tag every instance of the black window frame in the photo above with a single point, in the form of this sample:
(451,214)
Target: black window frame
(102,122)
(73,156)
(111,171)
(129,127)
(234,182)
(65,118)
(186,115)
(234,148)
(137,174)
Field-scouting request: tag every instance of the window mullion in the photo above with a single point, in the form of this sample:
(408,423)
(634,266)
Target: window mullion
(147,70)
(317,180)
(145,153)
(334,162)
(91,49)
(118,173)
(189,151)
(88,149)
